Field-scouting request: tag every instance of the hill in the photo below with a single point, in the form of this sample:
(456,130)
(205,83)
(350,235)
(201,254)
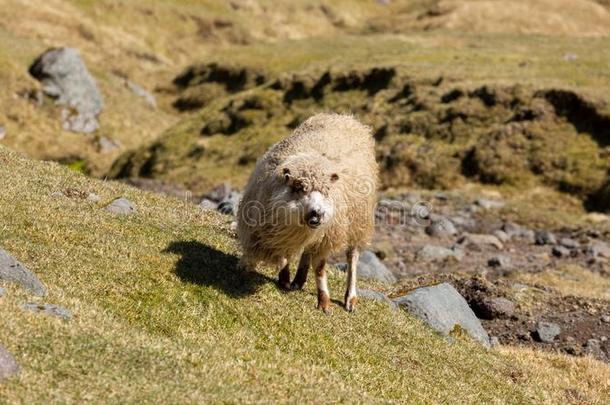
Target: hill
(162,313)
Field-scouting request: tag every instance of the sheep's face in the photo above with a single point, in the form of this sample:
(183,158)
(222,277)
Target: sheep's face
(306,187)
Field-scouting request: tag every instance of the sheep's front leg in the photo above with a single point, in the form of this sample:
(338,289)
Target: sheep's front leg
(284,274)
(322,284)
(350,291)
(301,277)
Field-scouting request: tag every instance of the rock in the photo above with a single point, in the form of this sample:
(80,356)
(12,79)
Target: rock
(570,57)
(473,239)
(500,262)
(442,307)
(546,331)
(207,204)
(65,78)
(569,243)
(494,341)
(439,253)
(514,230)
(501,235)
(2,292)
(376,296)
(141,92)
(2,132)
(442,227)
(370,267)
(598,249)
(560,251)
(606,318)
(545,238)
(13,271)
(593,347)
(122,206)
(48,309)
(93,198)
(228,205)
(495,308)
(489,204)
(8,365)
(106,145)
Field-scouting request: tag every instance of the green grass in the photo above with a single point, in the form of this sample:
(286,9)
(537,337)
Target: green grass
(163,315)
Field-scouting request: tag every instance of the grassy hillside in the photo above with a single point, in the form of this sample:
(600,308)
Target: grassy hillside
(162,314)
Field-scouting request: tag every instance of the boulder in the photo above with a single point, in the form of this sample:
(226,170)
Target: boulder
(122,206)
(13,271)
(65,78)
(442,308)
(598,249)
(545,238)
(8,365)
(495,308)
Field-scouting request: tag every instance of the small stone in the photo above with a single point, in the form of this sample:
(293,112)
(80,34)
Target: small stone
(48,309)
(569,243)
(546,331)
(560,251)
(2,292)
(2,132)
(141,92)
(442,308)
(489,204)
(501,235)
(57,194)
(598,249)
(121,206)
(501,262)
(519,287)
(107,145)
(93,198)
(440,228)
(570,57)
(606,318)
(472,239)
(8,364)
(13,271)
(439,253)
(376,296)
(514,230)
(233,226)
(207,204)
(495,308)
(545,238)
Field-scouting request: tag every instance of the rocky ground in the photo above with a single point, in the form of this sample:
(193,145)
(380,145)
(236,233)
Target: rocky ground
(516,279)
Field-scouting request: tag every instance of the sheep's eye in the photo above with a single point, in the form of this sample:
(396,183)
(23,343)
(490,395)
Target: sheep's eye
(334,177)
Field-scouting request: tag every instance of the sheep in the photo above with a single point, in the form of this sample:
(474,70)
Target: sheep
(311,194)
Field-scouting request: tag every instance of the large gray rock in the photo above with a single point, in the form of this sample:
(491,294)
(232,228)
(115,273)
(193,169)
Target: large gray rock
(65,78)
(48,309)
(546,331)
(370,267)
(442,307)
(8,365)
(13,271)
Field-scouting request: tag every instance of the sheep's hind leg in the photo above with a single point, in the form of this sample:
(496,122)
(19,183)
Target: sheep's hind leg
(322,284)
(301,277)
(351,291)
(284,274)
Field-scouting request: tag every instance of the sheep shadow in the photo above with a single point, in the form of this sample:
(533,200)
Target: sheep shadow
(206,266)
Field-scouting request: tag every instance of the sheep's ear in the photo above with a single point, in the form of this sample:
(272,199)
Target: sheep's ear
(286,174)
(334,177)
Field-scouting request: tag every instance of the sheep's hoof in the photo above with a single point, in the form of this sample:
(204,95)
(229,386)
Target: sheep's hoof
(327,310)
(350,304)
(296,286)
(284,279)
(324,303)
(284,286)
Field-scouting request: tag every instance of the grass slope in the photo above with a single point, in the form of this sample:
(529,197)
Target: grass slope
(162,314)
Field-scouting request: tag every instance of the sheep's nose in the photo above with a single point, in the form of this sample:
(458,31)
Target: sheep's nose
(313,219)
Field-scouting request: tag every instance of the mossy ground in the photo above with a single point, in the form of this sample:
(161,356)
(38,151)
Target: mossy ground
(162,313)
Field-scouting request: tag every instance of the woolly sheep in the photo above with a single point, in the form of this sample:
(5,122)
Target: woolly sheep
(312,194)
